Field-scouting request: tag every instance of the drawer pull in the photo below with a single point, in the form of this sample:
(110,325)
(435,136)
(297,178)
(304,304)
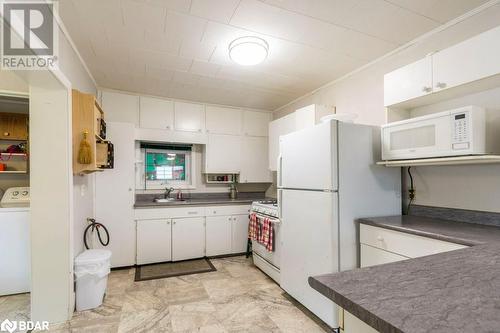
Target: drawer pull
(380,238)
(192,213)
(6,134)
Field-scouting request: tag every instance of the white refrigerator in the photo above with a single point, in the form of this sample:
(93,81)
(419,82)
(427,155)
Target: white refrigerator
(327,178)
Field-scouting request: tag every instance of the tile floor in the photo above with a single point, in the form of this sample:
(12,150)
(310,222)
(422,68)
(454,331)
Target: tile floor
(238,297)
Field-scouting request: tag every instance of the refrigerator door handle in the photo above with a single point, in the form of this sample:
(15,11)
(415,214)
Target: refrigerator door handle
(280,171)
(280,203)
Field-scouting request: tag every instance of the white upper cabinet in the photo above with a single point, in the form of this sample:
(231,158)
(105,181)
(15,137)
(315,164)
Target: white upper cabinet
(254,160)
(121,107)
(461,65)
(223,154)
(468,61)
(189,117)
(256,123)
(221,120)
(408,82)
(278,127)
(156,113)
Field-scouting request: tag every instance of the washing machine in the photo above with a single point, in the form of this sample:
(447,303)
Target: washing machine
(15,242)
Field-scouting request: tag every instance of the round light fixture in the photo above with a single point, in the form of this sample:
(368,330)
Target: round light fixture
(248,50)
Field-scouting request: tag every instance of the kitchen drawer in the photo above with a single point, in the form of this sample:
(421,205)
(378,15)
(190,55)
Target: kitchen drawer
(227,210)
(168,212)
(372,256)
(404,244)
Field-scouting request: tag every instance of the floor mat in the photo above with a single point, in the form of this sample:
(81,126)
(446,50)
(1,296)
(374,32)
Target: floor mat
(171,269)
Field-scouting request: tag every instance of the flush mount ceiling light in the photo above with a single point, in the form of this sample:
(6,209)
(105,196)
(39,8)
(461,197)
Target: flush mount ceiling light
(248,51)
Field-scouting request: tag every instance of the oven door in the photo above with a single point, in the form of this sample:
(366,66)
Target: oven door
(420,139)
(273,257)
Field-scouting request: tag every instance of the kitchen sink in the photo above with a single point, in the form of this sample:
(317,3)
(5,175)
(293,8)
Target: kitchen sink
(163,200)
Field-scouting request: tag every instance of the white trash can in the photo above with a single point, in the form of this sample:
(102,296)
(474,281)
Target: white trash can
(92,268)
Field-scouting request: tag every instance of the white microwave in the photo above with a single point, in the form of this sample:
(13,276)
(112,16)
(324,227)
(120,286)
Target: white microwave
(455,132)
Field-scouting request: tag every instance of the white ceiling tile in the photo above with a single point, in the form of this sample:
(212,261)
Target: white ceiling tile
(177,5)
(386,21)
(159,73)
(107,12)
(185,26)
(160,59)
(222,12)
(161,41)
(260,17)
(439,10)
(186,78)
(196,50)
(142,15)
(204,68)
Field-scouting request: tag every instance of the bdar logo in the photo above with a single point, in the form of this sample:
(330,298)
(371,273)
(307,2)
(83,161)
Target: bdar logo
(8,326)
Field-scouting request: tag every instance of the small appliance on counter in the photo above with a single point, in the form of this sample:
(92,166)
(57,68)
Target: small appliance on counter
(16,197)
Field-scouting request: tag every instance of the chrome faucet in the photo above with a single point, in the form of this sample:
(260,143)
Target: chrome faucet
(166,195)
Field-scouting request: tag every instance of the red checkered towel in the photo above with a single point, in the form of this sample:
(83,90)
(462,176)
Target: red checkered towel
(253,227)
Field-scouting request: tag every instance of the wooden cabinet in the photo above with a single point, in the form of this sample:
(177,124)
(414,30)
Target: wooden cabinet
(156,113)
(256,123)
(188,238)
(87,116)
(13,126)
(408,82)
(221,120)
(254,160)
(239,233)
(114,195)
(223,154)
(218,235)
(154,241)
(468,61)
(189,117)
(121,107)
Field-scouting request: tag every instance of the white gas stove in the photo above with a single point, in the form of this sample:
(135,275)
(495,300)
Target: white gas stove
(266,207)
(268,261)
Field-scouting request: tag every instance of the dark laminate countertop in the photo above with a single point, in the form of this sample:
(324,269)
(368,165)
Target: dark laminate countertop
(456,232)
(193,202)
(457,291)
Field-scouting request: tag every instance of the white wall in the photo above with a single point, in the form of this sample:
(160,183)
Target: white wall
(469,187)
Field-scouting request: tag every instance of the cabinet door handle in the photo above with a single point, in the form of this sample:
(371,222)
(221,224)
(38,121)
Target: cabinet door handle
(380,238)
(426,89)
(6,134)
(168,222)
(174,222)
(167,127)
(441,85)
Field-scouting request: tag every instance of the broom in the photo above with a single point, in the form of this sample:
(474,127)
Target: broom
(85,151)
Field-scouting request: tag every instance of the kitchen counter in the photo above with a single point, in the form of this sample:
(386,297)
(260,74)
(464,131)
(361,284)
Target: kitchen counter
(147,201)
(457,291)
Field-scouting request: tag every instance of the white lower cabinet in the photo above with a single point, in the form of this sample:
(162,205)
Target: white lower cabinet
(371,256)
(182,233)
(352,324)
(154,241)
(188,238)
(218,235)
(239,233)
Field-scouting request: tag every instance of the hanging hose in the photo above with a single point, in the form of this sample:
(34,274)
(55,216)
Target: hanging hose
(95,226)
(411,192)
